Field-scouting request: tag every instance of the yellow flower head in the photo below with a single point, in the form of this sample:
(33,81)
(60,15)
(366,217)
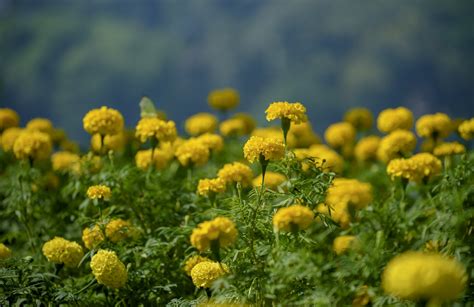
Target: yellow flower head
(99,192)
(207,186)
(248,121)
(220,229)
(359,118)
(155,128)
(8,119)
(200,123)
(214,142)
(366,148)
(272,180)
(9,137)
(161,159)
(108,269)
(449,149)
(428,276)
(395,119)
(92,237)
(117,230)
(302,135)
(206,272)
(103,121)
(343,243)
(466,129)
(427,164)
(352,192)
(403,168)
(223,99)
(40,124)
(340,134)
(339,213)
(5,252)
(192,151)
(236,172)
(295,112)
(295,217)
(60,250)
(33,145)
(268,149)
(232,127)
(416,168)
(398,143)
(114,142)
(275,133)
(66,161)
(324,158)
(434,126)
(192,261)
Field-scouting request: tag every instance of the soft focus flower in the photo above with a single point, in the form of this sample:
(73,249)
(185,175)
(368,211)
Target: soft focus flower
(427,164)
(108,269)
(192,151)
(200,123)
(206,272)
(395,119)
(207,186)
(236,172)
(340,134)
(92,236)
(65,161)
(117,230)
(223,99)
(366,148)
(32,145)
(192,261)
(8,119)
(232,127)
(155,128)
(5,252)
(343,243)
(434,126)
(9,137)
(292,218)
(114,142)
(161,159)
(399,143)
(403,168)
(103,121)
(295,112)
(350,191)
(418,167)
(272,180)
(220,229)
(324,158)
(99,192)
(258,148)
(427,276)
(359,118)
(339,213)
(40,124)
(449,149)
(466,129)
(275,133)
(248,120)
(60,250)
(302,135)
(213,141)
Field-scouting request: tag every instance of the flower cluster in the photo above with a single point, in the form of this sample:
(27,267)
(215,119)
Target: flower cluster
(156,129)
(272,180)
(200,123)
(258,148)
(92,237)
(236,172)
(324,158)
(366,148)
(293,218)
(66,161)
(275,133)
(40,124)
(399,143)
(108,269)
(223,99)
(62,251)
(104,121)
(214,142)
(8,118)
(114,142)
(9,137)
(466,129)
(99,192)
(206,272)
(359,118)
(349,191)
(220,229)
(238,125)
(192,261)
(449,149)
(390,120)
(434,126)
(340,134)
(34,145)
(418,167)
(192,151)
(160,160)
(209,186)
(295,112)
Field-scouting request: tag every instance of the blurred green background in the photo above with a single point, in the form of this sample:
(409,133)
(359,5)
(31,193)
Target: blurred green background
(58,59)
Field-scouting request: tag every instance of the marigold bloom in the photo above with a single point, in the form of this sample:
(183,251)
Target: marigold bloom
(208,186)
(248,120)
(339,213)
(434,126)
(92,237)
(427,164)
(403,168)
(366,148)
(449,149)
(32,145)
(65,161)
(272,180)
(295,217)
(232,127)
(206,272)
(60,250)
(418,167)
(214,142)
(192,151)
(295,112)
(108,269)
(340,134)
(427,276)
(103,121)
(343,243)
(5,252)
(99,192)
(302,135)
(220,229)
(9,137)
(192,261)
(40,124)
(117,230)
(466,129)
(353,192)
(258,148)
(223,99)
(114,142)
(397,144)
(359,118)
(275,133)
(325,158)
(8,118)
(395,119)
(200,123)
(161,159)
(155,128)
(236,172)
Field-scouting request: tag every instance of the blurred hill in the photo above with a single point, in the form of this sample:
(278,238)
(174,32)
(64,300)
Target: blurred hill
(59,59)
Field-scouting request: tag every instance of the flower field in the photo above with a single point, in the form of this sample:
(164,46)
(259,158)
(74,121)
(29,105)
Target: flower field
(379,211)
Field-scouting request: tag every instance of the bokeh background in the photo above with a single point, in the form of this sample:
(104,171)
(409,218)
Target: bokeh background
(58,59)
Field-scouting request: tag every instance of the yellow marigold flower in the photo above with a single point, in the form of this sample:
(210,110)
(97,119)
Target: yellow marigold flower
(236,172)
(343,243)
(359,118)
(223,99)
(275,133)
(114,142)
(117,230)
(295,112)
(434,126)
(103,121)
(466,129)
(108,269)
(427,276)
(248,120)
(206,272)
(155,128)
(427,164)
(92,237)
(60,250)
(192,261)
(398,143)
(258,148)
(5,252)
(207,186)
(350,191)
(293,218)
(99,192)
(214,142)
(449,149)
(302,135)
(403,168)
(395,119)
(427,145)
(32,145)
(325,158)
(65,161)
(161,159)
(200,123)
(232,126)
(366,148)
(91,162)
(220,229)
(340,134)
(193,152)
(339,213)
(8,119)
(272,180)
(40,124)
(9,137)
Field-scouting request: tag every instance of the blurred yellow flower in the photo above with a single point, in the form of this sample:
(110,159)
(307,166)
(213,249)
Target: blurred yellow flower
(293,218)
(5,252)
(399,118)
(208,186)
(232,127)
(324,157)
(155,129)
(99,192)
(448,149)
(427,164)
(343,243)
(66,161)
(236,172)
(117,230)
(366,148)
(103,121)
(295,112)
(340,134)
(359,118)
(220,229)
(32,145)
(193,152)
(62,251)
(161,159)
(418,167)
(466,129)
(403,168)
(9,137)
(108,269)
(214,142)
(275,133)
(206,272)
(353,192)
(302,135)
(223,99)
(114,142)
(399,143)
(200,123)
(192,261)
(258,148)
(41,124)
(339,213)
(92,237)
(434,126)
(272,180)
(8,118)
